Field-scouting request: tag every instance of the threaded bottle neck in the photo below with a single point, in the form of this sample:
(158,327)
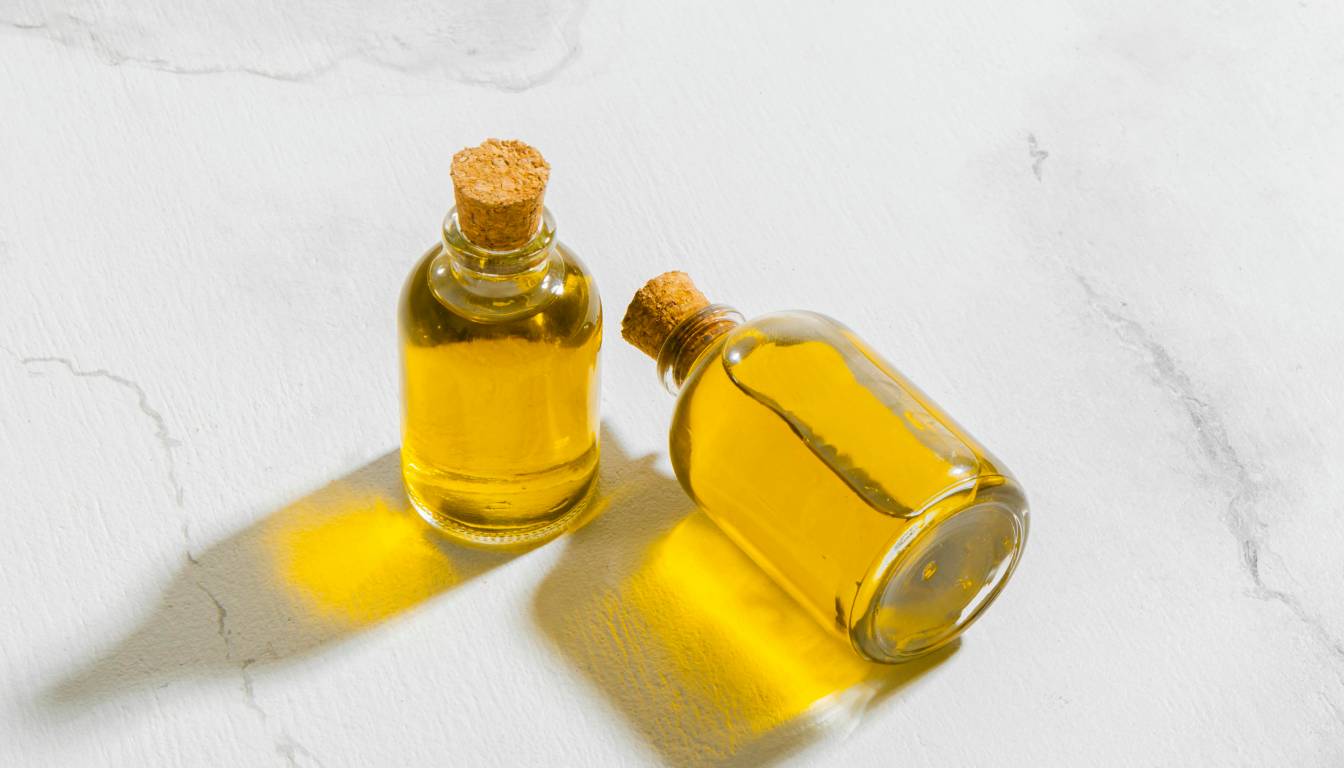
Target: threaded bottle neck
(691,337)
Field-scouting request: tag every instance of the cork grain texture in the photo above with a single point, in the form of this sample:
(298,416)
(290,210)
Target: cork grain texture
(1105,239)
(657,308)
(499,187)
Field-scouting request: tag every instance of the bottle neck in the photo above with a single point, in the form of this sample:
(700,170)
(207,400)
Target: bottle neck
(690,339)
(487,284)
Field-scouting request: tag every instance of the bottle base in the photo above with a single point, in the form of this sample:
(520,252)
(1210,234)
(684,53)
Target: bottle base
(939,578)
(506,537)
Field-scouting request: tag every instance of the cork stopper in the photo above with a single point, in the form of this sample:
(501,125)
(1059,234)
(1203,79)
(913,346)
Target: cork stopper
(499,188)
(657,308)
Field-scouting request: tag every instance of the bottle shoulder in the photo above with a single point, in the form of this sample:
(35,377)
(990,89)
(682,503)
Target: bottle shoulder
(784,328)
(791,326)
(569,312)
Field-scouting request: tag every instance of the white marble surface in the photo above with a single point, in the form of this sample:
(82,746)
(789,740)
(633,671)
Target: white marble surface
(1107,236)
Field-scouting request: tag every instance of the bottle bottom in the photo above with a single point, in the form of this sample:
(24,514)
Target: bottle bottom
(503,513)
(502,537)
(943,577)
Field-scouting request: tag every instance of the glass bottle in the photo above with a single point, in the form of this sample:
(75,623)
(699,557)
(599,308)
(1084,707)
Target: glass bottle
(499,361)
(879,514)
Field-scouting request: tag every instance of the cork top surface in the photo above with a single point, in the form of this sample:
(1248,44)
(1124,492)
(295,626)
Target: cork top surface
(499,188)
(657,308)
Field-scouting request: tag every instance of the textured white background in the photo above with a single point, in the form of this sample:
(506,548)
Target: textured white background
(1106,236)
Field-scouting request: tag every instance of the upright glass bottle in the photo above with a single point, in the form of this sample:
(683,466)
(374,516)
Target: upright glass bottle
(500,328)
(844,482)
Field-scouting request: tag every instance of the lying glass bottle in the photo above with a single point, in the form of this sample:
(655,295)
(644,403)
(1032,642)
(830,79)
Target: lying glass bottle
(838,477)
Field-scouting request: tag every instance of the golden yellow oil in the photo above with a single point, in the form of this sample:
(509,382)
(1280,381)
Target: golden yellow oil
(500,416)
(820,461)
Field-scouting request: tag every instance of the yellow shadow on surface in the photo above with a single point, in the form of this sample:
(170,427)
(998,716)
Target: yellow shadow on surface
(358,563)
(739,646)
(342,559)
(707,659)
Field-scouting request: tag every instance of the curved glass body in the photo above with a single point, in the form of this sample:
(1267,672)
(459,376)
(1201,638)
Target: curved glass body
(499,379)
(838,477)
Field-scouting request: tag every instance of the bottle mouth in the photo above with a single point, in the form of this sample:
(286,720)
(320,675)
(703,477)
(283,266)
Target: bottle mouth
(499,263)
(494,286)
(689,339)
(941,577)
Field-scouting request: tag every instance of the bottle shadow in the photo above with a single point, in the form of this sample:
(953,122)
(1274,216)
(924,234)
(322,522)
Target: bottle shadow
(708,660)
(345,558)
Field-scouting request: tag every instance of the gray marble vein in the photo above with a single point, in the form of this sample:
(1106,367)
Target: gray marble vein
(167,442)
(1037,155)
(510,46)
(285,745)
(1245,493)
